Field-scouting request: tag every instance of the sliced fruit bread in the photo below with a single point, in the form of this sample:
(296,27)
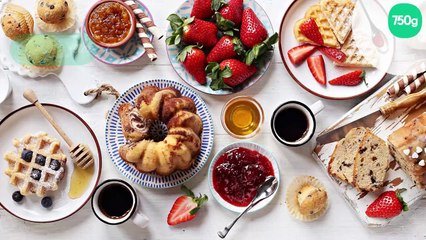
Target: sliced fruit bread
(371,163)
(341,164)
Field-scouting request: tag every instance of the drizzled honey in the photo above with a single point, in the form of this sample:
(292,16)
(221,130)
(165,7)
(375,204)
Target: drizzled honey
(80,181)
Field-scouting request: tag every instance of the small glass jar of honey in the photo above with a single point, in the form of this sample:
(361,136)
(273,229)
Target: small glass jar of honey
(242,117)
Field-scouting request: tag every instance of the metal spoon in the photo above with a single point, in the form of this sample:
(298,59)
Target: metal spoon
(263,192)
(379,38)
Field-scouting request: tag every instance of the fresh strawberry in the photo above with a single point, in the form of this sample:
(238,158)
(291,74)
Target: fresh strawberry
(229,73)
(202,9)
(334,54)
(350,79)
(317,67)
(298,54)
(233,11)
(227,48)
(192,31)
(252,31)
(310,29)
(194,61)
(388,205)
(185,207)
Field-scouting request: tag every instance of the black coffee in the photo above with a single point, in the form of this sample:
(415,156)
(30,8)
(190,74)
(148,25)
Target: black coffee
(291,124)
(115,201)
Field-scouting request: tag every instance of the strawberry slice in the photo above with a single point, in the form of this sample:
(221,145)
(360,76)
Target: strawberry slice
(185,207)
(334,54)
(298,54)
(350,79)
(317,67)
(310,29)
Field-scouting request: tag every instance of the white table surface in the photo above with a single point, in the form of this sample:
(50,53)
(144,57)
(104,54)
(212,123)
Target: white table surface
(273,222)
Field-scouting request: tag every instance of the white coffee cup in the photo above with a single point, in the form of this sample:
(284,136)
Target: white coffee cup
(309,113)
(133,213)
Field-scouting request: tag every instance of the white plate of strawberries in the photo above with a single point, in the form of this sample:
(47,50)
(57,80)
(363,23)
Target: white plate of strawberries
(329,67)
(220,48)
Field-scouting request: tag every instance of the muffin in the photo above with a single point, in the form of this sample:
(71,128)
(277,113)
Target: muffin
(42,50)
(55,15)
(306,198)
(17,22)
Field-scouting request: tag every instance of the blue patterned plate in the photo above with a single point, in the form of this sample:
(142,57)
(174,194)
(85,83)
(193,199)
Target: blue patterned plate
(125,54)
(185,11)
(115,138)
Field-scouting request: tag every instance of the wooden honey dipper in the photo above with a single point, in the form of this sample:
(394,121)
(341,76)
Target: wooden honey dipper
(80,153)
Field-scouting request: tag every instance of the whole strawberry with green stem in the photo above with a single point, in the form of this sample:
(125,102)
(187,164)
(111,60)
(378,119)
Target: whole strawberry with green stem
(252,31)
(185,208)
(192,31)
(194,61)
(202,9)
(229,73)
(227,48)
(388,205)
(228,15)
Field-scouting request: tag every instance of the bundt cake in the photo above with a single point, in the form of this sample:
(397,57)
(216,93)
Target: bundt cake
(181,145)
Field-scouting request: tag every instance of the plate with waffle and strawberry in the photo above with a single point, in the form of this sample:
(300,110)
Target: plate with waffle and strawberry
(328,46)
(219,47)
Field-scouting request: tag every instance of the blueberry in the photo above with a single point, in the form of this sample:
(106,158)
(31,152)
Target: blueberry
(40,159)
(55,164)
(46,202)
(36,174)
(27,155)
(17,196)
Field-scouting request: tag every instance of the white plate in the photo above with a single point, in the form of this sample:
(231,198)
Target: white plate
(251,146)
(28,120)
(303,76)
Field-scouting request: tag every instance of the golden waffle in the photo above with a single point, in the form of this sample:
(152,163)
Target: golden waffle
(339,15)
(323,25)
(354,57)
(26,169)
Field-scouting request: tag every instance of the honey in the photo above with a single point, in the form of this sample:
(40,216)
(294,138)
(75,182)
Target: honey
(80,181)
(242,117)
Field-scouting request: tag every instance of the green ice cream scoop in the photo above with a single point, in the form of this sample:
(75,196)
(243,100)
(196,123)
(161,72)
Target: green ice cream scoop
(41,50)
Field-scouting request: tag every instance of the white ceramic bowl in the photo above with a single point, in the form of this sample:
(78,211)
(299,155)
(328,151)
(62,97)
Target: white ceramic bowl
(5,88)
(251,146)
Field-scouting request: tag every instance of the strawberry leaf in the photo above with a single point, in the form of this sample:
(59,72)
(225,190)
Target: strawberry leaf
(177,24)
(217,75)
(187,191)
(182,55)
(226,73)
(259,50)
(217,4)
(238,46)
(401,200)
(223,24)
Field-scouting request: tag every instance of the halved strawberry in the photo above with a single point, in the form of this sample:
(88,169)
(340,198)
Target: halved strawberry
(185,207)
(350,79)
(310,29)
(317,67)
(334,54)
(298,54)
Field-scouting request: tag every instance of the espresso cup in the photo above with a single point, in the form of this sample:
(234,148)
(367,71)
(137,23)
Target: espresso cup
(115,201)
(293,123)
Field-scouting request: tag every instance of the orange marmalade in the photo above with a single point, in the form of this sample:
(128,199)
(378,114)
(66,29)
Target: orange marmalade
(110,23)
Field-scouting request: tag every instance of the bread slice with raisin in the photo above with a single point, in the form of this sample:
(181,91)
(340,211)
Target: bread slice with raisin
(371,163)
(341,164)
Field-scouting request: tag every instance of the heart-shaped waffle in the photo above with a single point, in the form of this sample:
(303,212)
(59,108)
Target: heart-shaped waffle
(327,34)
